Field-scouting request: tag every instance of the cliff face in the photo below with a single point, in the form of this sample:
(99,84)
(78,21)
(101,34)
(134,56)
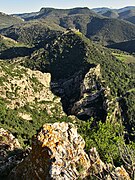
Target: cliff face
(58,153)
(85,95)
(92,101)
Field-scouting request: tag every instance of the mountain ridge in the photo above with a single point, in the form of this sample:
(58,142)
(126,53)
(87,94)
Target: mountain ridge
(126,13)
(8,20)
(82,19)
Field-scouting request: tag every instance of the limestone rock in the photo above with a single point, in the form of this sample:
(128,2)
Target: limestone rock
(100,170)
(97,165)
(9,147)
(84,94)
(22,86)
(121,174)
(57,153)
(6,138)
(92,101)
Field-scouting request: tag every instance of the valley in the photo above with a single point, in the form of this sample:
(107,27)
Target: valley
(67,85)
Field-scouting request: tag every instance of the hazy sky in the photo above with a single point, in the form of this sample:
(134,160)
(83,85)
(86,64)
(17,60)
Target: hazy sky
(18,6)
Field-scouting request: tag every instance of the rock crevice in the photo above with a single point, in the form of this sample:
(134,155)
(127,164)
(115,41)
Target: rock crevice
(83,95)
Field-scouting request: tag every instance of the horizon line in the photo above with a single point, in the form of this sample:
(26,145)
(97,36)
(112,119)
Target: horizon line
(23,12)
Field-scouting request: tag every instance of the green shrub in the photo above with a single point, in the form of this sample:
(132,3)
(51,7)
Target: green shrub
(105,137)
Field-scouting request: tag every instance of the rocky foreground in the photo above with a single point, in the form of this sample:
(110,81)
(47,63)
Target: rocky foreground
(57,153)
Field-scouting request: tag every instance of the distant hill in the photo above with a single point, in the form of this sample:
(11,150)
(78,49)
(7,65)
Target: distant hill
(32,32)
(131,19)
(49,12)
(111,14)
(95,26)
(109,31)
(8,20)
(126,13)
(128,46)
(125,9)
(101,10)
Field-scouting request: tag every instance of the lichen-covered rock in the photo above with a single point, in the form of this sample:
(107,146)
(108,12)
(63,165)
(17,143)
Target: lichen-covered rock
(6,138)
(97,165)
(57,153)
(120,173)
(100,170)
(9,149)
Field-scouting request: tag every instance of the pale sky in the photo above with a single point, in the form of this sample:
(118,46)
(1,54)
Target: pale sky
(21,6)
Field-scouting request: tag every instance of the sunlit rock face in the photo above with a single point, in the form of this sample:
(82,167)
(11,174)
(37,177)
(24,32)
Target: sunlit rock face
(57,153)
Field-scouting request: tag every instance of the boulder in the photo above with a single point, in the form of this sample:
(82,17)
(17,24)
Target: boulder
(57,153)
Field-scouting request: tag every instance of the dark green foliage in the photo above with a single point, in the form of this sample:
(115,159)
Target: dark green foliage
(64,55)
(127,104)
(33,33)
(14,52)
(128,46)
(105,31)
(25,129)
(106,137)
(38,61)
(92,25)
(111,14)
(70,53)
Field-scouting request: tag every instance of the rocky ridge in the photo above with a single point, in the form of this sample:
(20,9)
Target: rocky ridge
(58,153)
(20,86)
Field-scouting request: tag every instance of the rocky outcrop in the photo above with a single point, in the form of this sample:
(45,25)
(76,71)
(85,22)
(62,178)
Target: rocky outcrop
(100,170)
(84,94)
(58,153)
(92,101)
(6,138)
(20,86)
(9,146)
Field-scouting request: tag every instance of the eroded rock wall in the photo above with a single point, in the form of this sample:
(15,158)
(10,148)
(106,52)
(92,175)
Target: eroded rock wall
(84,94)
